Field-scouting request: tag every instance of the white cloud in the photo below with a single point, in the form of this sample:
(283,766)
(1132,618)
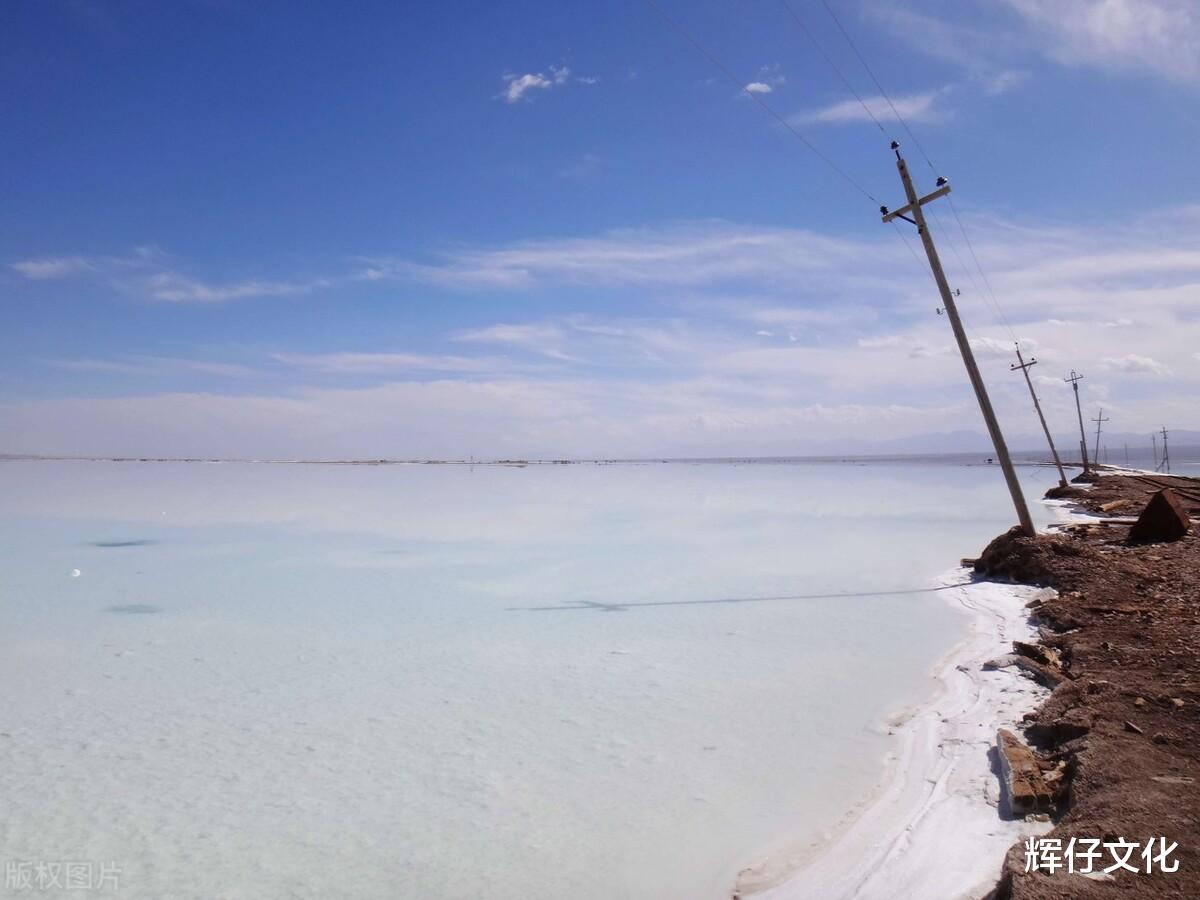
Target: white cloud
(687,254)
(1157,36)
(586,166)
(60,267)
(1134,364)
(997,348)
(145,272)
(920,107)
(517,86)
(392,363)
(757,87)
(175,288)
(853,322)
(1003,82)
(153,365)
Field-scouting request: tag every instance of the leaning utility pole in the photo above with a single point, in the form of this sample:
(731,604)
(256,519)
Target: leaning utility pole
(960,336)
(1074,382)
(1025,367)
(1166,460)
(1099,420)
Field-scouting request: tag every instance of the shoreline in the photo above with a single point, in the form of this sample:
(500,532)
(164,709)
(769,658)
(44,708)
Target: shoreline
(1122,631)
(936,823)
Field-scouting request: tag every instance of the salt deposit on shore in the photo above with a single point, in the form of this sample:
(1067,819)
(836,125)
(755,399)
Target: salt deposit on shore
(937,824)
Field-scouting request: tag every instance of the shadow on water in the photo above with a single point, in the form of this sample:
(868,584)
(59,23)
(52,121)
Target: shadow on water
(134,609)
(140,543)
(623,607)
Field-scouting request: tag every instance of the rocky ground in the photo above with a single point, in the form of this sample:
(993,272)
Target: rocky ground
(1119,737)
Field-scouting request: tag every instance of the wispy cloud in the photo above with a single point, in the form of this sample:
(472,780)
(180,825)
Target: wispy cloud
(687,254)
(744,335)
(1157,36)
(1003,82)
(544,339)
(153,365)
(1134,364)
(517,87)
(922,107)
(175,288)
(395,363)
(146,272)
(51,268)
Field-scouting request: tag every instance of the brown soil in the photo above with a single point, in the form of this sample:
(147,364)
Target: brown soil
(1126,721)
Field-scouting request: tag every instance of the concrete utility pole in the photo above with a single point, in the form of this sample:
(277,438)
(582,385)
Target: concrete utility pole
(1074,382)
(912,213)
(1166,460)
(1099,420)
(1154,447)
(1025,367)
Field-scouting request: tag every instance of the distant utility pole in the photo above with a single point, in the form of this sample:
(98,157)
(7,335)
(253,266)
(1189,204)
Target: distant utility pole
(1074,382)
(912,213)
(1154,446)
(1099,420)
(1025,367)
(1127,454)
(1166,459)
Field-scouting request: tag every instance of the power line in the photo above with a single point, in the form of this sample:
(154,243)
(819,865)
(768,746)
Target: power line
(882,92)
(991,294)
(821,50)
(741,86)
(982,273)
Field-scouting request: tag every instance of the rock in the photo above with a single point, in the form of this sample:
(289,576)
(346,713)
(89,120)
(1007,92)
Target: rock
(1129,726)
(1044,655)
(1060,491)
(1177,703)
(1116,504)
(1163,519)
(1140,701)
(1048,676)
(1028,792)
(1161,737)
(1074,725)
(1016,556)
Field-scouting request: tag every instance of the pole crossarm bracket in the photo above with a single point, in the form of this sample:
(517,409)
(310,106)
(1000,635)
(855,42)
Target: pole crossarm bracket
(1023,365)
(902,212)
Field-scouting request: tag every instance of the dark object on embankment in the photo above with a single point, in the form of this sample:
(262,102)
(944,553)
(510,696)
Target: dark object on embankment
(1164,519)
(1059,491)
(1016,556)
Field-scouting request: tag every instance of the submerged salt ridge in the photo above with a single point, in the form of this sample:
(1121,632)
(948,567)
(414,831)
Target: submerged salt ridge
(271,681)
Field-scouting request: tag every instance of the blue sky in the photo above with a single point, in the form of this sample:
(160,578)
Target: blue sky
(557,229)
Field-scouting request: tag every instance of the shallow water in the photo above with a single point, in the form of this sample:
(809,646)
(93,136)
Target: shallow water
(431,681)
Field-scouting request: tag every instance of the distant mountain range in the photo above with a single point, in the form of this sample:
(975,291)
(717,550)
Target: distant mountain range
(965,441)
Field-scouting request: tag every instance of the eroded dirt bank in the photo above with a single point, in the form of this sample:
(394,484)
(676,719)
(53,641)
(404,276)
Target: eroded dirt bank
(1121,732)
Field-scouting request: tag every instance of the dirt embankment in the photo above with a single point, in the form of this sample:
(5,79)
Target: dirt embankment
(1123,727)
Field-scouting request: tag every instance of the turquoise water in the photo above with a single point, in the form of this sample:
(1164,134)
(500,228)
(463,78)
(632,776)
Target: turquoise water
(585,681)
